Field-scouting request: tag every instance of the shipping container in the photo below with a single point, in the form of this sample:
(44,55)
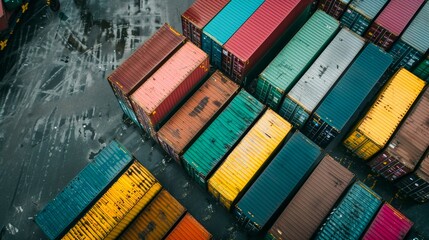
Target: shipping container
(135,70)
(212,146)
(422,70)
(347,96)
(323,188)
(389,223)
(248,158)
(295,58)
(377,126)
(261,32)
(178,132)
(189,228)
(198,15)
(334,8)
(319,78)
(217,32)
(11,5)
(360,14)
(277,183)
(161,94)
(352,215)
(416,185)
(392,21)
(404,55)
(408,144)
(156,219)
(110,215)
(83,190)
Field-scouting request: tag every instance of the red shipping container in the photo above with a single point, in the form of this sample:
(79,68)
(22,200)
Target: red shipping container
(189,228)
(389,223)
(392,21)
(258,34)
(334,8)
(198,15)
(168,86)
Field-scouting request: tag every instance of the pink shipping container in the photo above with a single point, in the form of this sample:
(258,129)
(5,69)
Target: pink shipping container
(4,17)
(258,34)
(392,21)
(389,223)
(161,94)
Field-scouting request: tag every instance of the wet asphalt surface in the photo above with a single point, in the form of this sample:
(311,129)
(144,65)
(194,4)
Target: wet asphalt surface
(57,111)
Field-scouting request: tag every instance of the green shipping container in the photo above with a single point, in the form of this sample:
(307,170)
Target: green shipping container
(11,5)
(422,71)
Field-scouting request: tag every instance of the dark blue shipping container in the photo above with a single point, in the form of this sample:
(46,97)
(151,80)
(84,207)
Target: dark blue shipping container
(404,55)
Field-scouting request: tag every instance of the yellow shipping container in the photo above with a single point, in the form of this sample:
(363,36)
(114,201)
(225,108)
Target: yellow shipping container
(156,219)
(109,216)
(374,130)
(245,161)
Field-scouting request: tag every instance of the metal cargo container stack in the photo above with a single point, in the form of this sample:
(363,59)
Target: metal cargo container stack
(335,8)
(360,14)
(392,21)
(416,185)
(408,145)
(347,96)
(224,25)
(323,188)
(83,190)
(212,146)
(295,58)
(110,215)
(248,158)
(132,73)
(277,183)
(352,215)
(163,92)
(389,223)
(422,70)
(198,15)
(179,131)
(156,219)
(300,102)
(189,228)
(374,130)
(262,31)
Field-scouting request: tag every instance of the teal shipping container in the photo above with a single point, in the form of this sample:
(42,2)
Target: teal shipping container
(208,151)
(279,181)
(83,190)
(289,65)
(422,70)
(224,25)
(344,100)
(352,215)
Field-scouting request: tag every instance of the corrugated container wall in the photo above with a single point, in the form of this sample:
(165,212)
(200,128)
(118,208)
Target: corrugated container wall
(407,146)
(135,70)
(224,25)
(157,98)
(360,14)
(422,71)
(198,15)
(248,159)
(195,114)
(189,228)
(277,183)
(334,8)
(352,215)
(392,21)
(416,185)
(300,102)
(377,126)
(289,65)
(212,146)
(389,223)
(323,188)
(347,96)
(110,215)
(156,219)
(260,33)
(82,190)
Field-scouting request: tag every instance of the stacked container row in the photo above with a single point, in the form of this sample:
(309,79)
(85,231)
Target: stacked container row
(189,228)
(416,185)
(422,70)
(335,8)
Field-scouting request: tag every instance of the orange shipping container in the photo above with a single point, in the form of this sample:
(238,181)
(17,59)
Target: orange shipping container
(189,228)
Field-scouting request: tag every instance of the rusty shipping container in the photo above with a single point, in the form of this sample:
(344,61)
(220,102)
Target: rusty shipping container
(189,228)
(334,8)
(161,94)
(323,188)
(416,185)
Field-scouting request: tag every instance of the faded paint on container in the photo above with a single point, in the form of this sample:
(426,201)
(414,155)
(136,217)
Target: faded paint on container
(377,126)
(213,145)
(189,228)
(109,216)
(277,183)
(295,58)
(82,190)
(156,219)
(334,8)
(300,219)
(422,70)
(248,158)
(416,185)
(178,132)
(319,78)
